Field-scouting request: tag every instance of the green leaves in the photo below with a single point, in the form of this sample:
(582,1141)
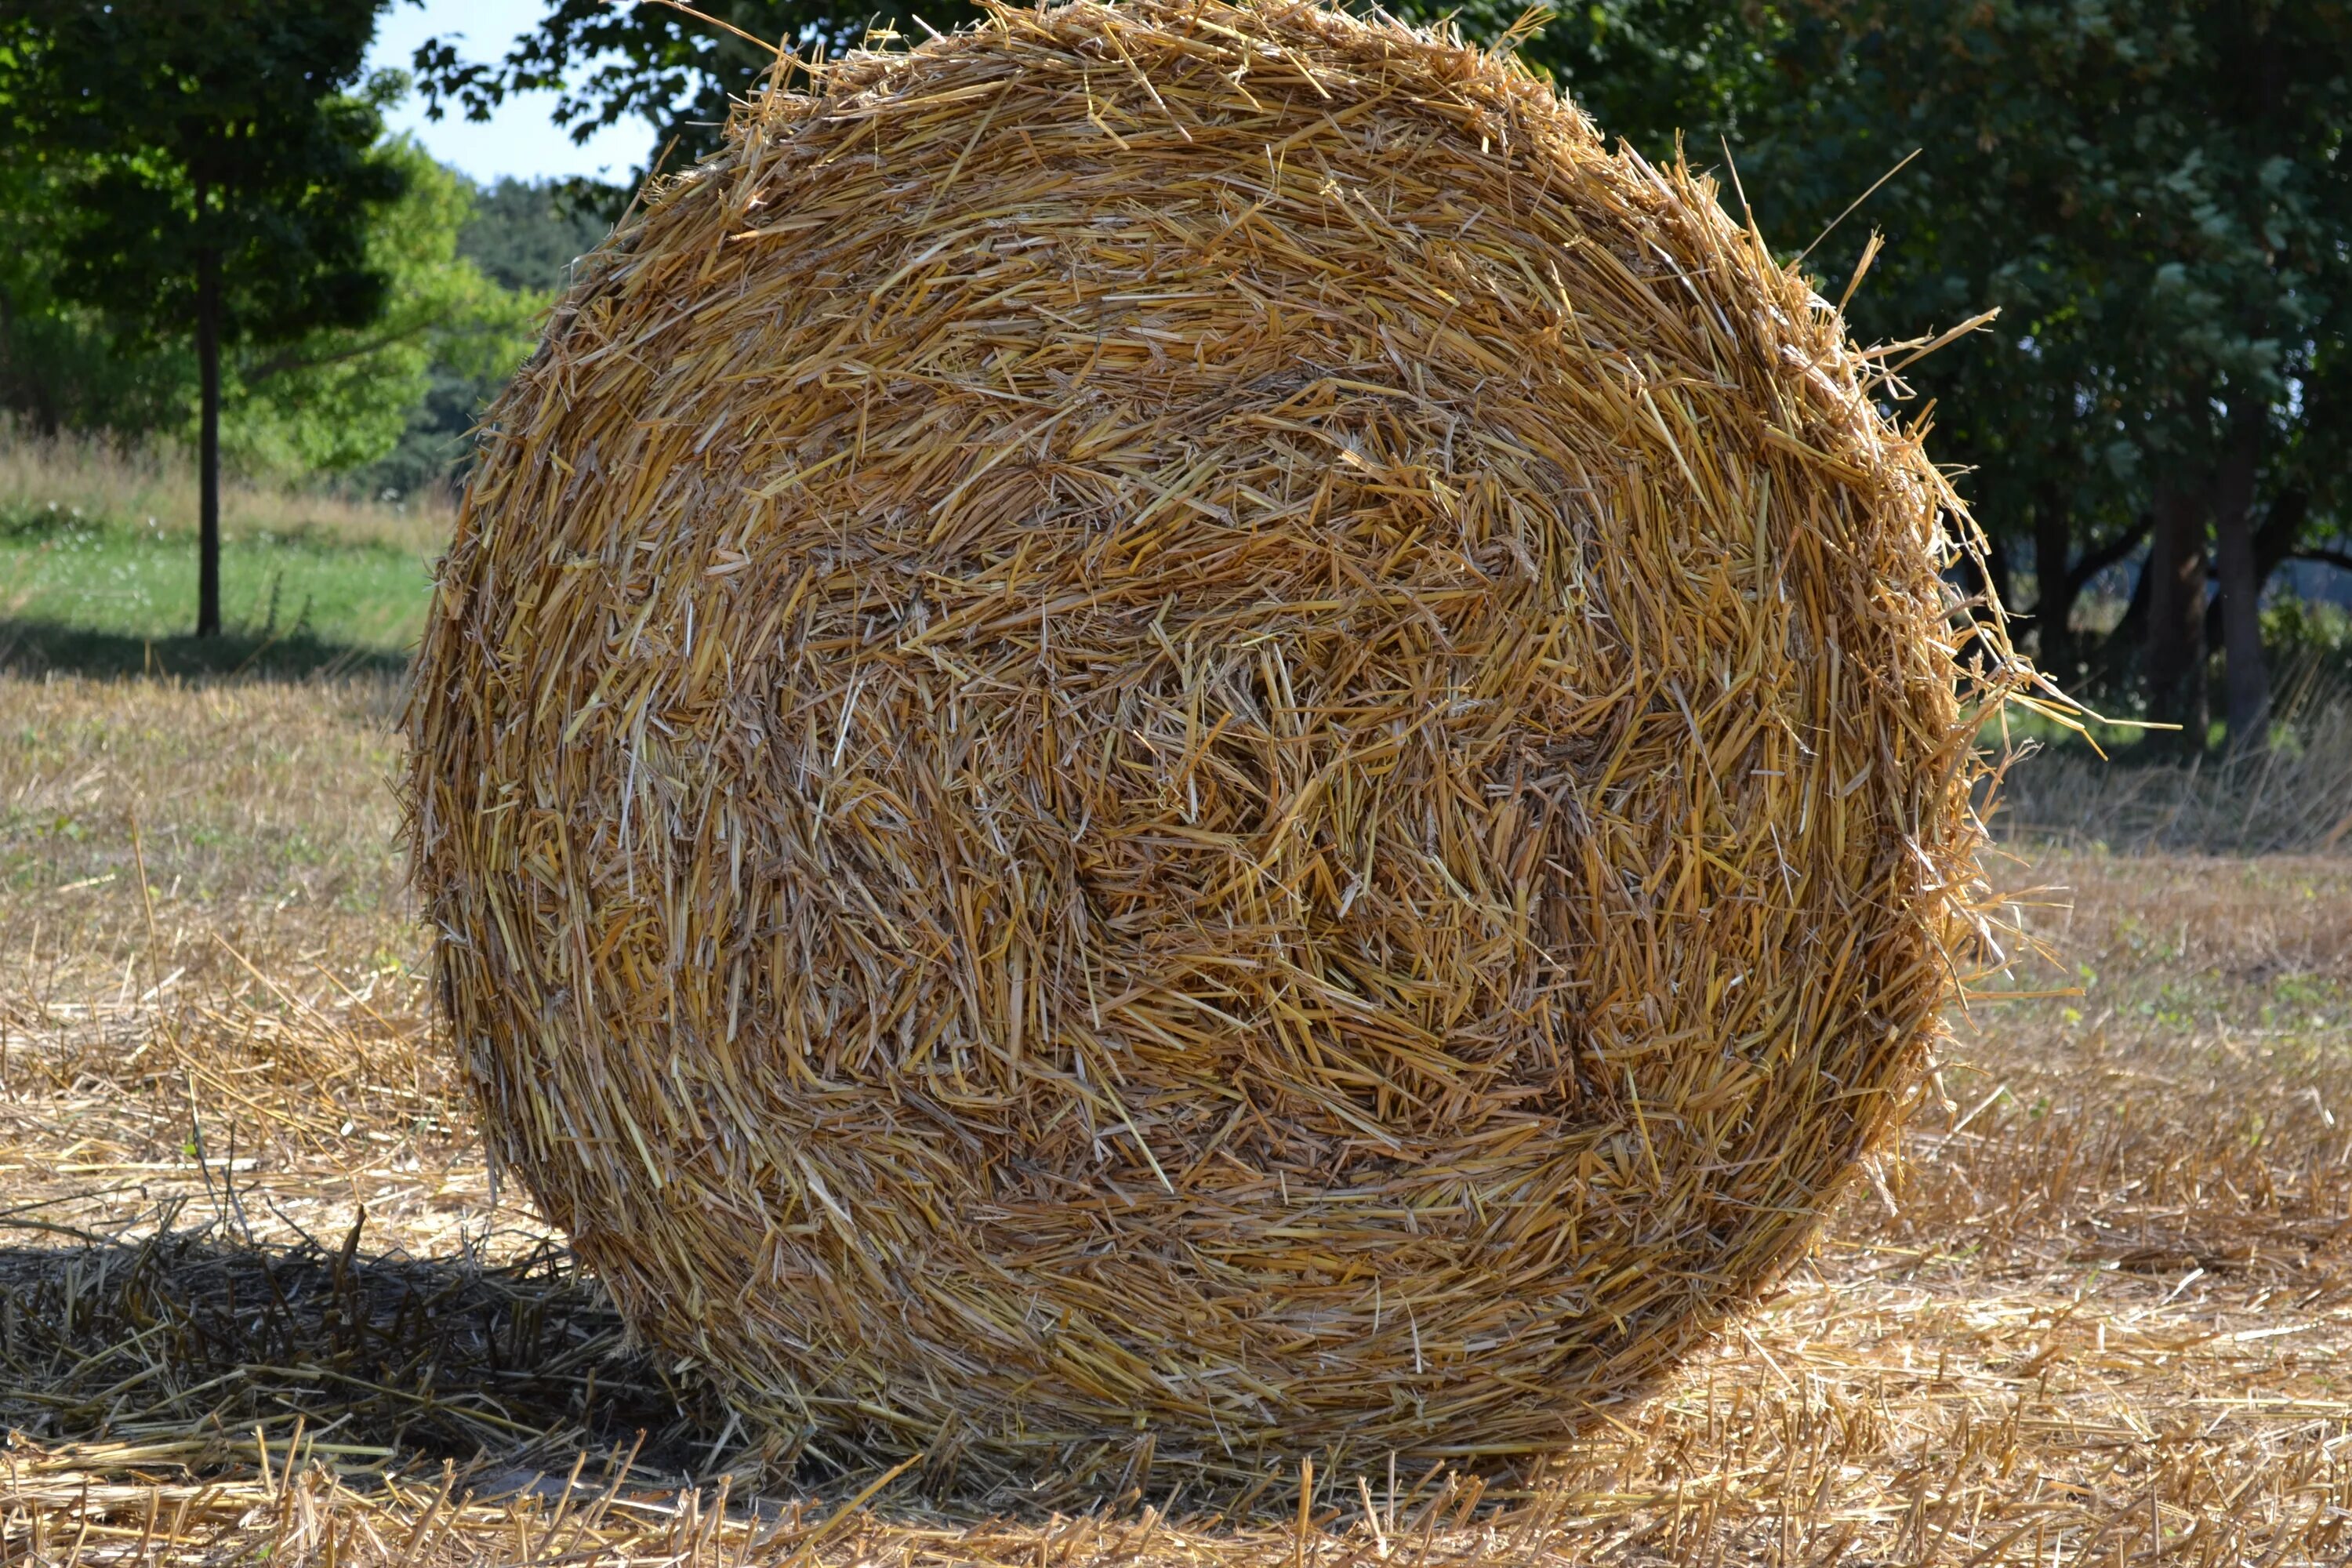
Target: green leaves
(616,62)
(140,143)
(238,129)
(341,397)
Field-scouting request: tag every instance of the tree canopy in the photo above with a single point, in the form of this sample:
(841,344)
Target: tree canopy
(614,63)
(2152,194)
(340,397)
(211,133)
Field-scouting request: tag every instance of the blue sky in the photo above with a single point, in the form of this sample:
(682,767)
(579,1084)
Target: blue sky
(522,138)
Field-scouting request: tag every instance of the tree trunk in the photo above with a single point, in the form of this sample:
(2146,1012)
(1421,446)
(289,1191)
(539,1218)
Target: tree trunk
(2246,683)
(208,587)
(2281,530)
(2054,602)
(2175,661)
(1998,581)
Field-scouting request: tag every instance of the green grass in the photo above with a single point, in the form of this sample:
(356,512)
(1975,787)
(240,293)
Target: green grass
(102,595)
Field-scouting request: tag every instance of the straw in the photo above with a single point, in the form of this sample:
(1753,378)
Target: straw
(1168,736)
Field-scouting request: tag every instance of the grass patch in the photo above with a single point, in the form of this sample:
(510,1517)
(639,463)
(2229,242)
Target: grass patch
(2293,795)
(266,802)
(98,567)
(103,595)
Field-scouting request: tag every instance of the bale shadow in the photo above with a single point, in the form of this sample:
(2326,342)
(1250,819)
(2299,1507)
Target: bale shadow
(31,646)
(190,1334)
(193,1354)
(199,1353)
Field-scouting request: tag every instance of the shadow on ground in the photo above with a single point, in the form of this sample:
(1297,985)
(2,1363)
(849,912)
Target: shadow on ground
(189,1334)
(177,1349)
(29,647)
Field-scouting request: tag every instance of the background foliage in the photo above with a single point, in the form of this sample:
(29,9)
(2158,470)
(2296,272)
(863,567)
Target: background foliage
(2151,193)
(382,406)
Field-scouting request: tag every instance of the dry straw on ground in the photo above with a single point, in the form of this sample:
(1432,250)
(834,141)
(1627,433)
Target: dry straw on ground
(1171,734)
(2101,1313)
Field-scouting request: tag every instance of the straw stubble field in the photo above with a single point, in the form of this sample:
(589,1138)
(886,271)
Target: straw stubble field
(260,1298)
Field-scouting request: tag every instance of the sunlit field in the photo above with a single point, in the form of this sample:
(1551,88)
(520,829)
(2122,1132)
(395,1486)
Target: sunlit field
(260,1298)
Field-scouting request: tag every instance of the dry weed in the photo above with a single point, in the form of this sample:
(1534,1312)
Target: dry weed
(2295,795)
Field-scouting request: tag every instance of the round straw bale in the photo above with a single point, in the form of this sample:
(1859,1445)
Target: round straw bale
(1172,732)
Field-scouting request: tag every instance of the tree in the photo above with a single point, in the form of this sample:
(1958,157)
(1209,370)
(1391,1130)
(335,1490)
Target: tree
(525,235)
(224,176)
(57,363)
(390,402)
(2152,193)
(60,367)
(649,61)
(480,267)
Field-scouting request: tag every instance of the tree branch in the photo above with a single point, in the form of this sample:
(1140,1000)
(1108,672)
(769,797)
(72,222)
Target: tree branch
(286,364)
(282,364)
(2340,559)
(2113,551)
